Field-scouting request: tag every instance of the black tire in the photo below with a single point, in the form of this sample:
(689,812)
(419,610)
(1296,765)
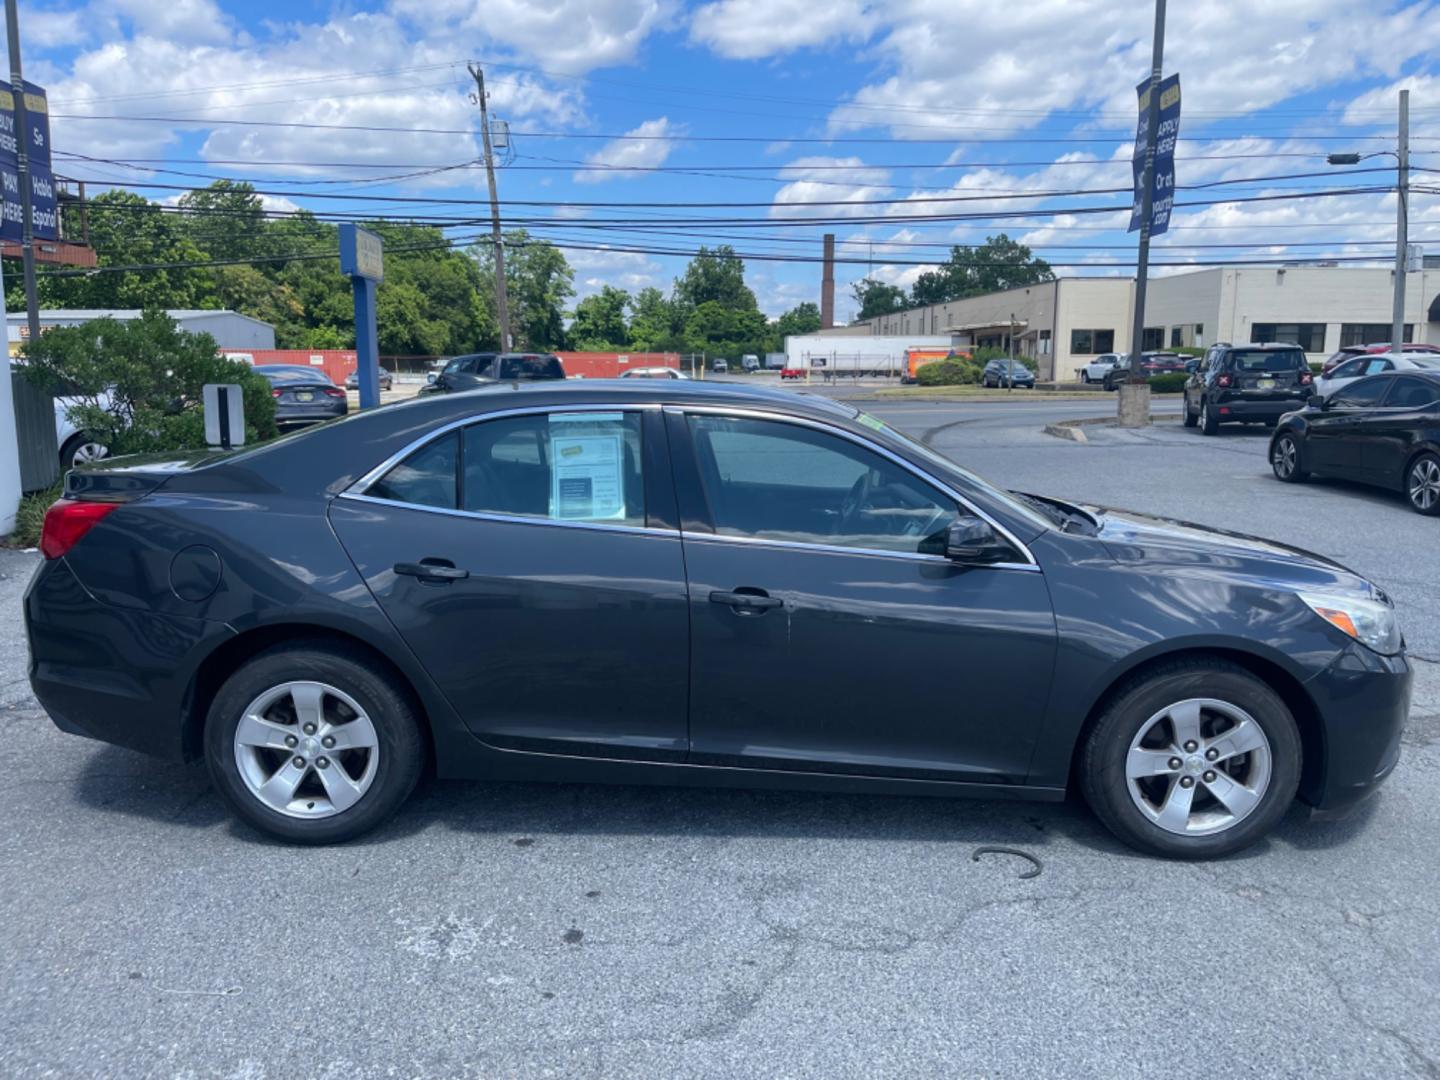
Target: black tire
(1102,760)
(1288,466)
(72,447)
(401,747)
(1188,418)
(1209,422)
(1425,467)
(1085,377)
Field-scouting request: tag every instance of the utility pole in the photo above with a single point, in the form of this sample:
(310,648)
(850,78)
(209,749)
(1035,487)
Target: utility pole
(1147,206)
(502,301)
(22,154)
(1402,225)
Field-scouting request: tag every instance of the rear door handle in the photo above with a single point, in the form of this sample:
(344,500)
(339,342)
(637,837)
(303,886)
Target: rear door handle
(432,571)
(747,601)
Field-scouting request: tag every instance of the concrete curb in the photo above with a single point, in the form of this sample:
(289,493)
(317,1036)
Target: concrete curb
(1074,429)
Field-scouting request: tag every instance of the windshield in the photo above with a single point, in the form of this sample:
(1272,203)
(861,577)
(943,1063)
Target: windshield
(1268,359)
(1023,510)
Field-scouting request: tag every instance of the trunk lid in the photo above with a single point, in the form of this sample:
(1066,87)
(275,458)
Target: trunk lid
(125,479)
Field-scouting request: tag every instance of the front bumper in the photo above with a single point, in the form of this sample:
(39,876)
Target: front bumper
(1362,699)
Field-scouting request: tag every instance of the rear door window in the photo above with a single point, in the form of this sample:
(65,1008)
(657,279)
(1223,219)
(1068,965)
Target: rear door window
(572,466)
(1408,392)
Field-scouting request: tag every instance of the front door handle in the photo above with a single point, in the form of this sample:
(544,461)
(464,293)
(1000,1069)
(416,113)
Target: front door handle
(432,571)
(747,601)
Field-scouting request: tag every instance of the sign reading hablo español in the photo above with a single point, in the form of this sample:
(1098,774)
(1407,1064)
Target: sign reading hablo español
(44,206)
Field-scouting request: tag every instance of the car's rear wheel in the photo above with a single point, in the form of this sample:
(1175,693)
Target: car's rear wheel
(1422,485)
(1286,460)
(311,744)
(1209,422)
(1195,759)
(82,449)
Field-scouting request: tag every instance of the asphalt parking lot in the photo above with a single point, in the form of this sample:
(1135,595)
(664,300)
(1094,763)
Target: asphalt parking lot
(545,930)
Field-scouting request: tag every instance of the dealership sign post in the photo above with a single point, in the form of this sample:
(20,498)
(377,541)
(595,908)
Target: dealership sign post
(362,255)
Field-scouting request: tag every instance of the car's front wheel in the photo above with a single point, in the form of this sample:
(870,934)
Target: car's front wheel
(1209,422)
(1194,759)
(309,743)
(82,449)
(1422,485)
(1286,461)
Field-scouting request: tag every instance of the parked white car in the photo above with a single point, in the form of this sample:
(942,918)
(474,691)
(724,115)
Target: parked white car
(1096,370)
(76,448)
(1374,364)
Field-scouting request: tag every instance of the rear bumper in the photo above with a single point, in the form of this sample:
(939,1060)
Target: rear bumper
(1363,700)
(119,675)
(1256,408)
(310,414)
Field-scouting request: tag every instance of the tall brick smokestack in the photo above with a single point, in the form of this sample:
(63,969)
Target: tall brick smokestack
(827,285)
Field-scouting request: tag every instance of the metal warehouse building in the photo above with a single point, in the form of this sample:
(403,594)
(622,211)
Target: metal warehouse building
(230,329)
(1065,322)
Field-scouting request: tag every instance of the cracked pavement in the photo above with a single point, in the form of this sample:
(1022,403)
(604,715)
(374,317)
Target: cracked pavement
(536,930)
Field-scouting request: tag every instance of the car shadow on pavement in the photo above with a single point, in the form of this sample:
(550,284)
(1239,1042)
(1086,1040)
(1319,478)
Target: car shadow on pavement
(168,794)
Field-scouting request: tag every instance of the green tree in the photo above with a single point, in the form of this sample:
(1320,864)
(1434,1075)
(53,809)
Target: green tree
(225,220)
(999,263)
(801,319)
(600,321)
(877,298)
(718,276)
(714,328)
(138,384)
(538,282)
(654,325)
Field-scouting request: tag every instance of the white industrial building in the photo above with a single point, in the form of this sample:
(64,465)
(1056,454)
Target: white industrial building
(1065,322)
(230,329)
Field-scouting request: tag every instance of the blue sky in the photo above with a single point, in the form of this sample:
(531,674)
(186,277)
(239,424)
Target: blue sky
(939,108)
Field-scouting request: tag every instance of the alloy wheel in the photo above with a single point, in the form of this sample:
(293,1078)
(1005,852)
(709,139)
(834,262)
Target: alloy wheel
(306,749)
(1424,484)
(1284,458)
(88,452)
(1198,767)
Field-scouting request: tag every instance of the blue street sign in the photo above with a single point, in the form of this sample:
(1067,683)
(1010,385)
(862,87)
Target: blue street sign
(1162,187)
(43,203)
(362,257)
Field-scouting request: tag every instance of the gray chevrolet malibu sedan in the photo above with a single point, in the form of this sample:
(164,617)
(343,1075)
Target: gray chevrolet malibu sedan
(659,582)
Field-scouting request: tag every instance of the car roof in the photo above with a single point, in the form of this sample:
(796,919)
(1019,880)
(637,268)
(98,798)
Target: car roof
(1279,346)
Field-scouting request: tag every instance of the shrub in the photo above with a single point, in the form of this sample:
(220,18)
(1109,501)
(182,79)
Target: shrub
(137,385)
(949,373)
(31,516)
(1172,382)
(1317,367)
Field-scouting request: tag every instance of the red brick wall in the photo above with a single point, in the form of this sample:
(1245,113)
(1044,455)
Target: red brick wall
(336,363)
(595,365)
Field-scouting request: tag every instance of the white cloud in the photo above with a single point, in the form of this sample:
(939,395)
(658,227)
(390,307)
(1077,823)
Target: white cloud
(749,29)
(566,35)
(988,68)
(643,147)
(809,183)
(183,21)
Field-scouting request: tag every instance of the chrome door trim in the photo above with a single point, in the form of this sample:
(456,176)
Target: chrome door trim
(511,519)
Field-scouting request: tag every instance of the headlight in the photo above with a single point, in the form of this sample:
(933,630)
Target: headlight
(1370,622)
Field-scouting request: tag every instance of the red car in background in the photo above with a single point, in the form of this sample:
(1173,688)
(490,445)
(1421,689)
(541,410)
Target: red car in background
(1349,351)
(792,373)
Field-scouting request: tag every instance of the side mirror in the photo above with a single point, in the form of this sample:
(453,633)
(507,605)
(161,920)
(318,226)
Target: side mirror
(973,540)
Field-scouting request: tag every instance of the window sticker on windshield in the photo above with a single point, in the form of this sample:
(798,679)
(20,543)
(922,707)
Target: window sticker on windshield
(587,451)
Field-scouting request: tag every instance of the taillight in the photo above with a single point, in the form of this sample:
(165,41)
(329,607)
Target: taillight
(1306,378)
(277,393)
(334,391)
(67,521)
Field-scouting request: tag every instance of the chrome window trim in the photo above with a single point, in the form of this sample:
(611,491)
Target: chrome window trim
(511,519)
(356,492)
(859,440)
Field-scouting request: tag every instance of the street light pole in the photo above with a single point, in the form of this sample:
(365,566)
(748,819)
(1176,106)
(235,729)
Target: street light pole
(1402,227)
(502,301)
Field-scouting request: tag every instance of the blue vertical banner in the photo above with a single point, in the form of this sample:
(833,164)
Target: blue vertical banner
(1162,186)
(362,260)
(44,205)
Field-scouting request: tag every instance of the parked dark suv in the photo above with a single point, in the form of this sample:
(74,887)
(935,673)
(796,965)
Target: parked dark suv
(481,369)
(1247,384)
